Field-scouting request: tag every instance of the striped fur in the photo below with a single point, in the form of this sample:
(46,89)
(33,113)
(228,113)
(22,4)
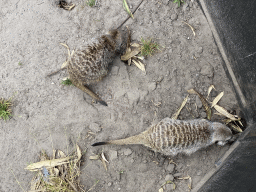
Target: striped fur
(171,137)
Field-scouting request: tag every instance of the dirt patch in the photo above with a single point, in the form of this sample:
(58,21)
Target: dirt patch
(49,115)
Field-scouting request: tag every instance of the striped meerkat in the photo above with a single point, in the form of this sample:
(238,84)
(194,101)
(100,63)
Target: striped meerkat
(171,137)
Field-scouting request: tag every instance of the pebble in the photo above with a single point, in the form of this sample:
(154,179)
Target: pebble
(169,187)
(152,86)
(115,70)
(174,16)
(170,168)
(199,103)
(127,152)
(95,127)
(200,50)
(112,155)
(169,177)
(109,184)
(177,174)
(203,114)
(199,172)
(207,70)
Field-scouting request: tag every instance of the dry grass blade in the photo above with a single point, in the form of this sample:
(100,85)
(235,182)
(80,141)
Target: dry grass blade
(103,157)
(216,99)
(94,157)
(138,64)
(190,183)
(48,163)
(79,152)
(193,30)
(236,128)
(103,160)
(57,174)
(210,89)
(126,7)
(204,102)
(175,115)
(224,112)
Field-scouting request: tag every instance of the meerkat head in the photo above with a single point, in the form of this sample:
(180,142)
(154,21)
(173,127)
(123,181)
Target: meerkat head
(221,133)
(121,38)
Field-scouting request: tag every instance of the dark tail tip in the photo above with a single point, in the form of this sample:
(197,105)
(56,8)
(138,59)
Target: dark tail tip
(99,143)
(103,103)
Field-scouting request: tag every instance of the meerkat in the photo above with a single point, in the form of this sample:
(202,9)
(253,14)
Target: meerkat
(170,137)
(90,65)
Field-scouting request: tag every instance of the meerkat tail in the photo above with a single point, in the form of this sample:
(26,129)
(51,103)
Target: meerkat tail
(89,92)
(137,139)
(100,143)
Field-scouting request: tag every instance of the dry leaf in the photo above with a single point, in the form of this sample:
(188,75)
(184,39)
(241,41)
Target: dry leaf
(130,53)
(190,27)
(126,7)
(95,157)
(135,45)
(103,160)
(175,115)
(79,153)
(103,157)
(216,99)
(224,112)
(204,102)
(210,89)
(236,128)
(48,163)
(139,65)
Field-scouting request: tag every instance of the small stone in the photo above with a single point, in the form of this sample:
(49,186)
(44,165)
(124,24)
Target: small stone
(127,152)
(95,127)
(170,168)
(109,184)
(169,187)
(199,172)
(119,189)
(174,16)
(200,50)
(145,161)
(177,174)
(115,70)
(152,86)
(203,115)
(207,70)
(112,155)
(143,168)
(198,102)
(133,96)
(119,93)
(169,177)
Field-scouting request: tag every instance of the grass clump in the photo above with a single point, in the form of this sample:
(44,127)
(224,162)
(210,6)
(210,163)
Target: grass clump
(148,47)
(5,109)
(66,82)
(178,2)
(91,3)
(57,174)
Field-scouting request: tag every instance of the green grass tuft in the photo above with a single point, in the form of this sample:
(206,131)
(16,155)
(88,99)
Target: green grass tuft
(148,47)
(67,82)
(178,2)
(5,109)
(91,3)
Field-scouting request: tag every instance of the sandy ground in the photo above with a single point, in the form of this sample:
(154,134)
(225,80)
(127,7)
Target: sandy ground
(49,115)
